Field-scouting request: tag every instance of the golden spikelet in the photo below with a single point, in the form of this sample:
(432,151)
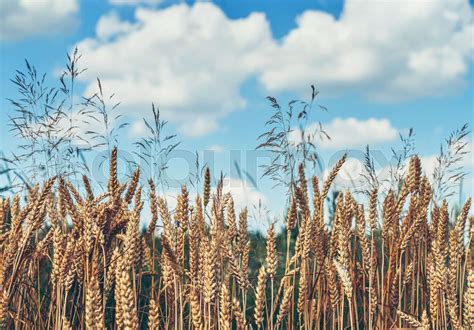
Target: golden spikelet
(231,220)
(44,244)
(66,262)
(414,174)
(199,216)
(210,273)
(413,322)
(469,301)
(389,220)
(442,230)
(88,188)
(3,309)
(15,209)
(132,240)
(153,315)
(243,229)
(333,288)
(169,256)
(316,193)
(461,224)
(302,199)
(58,251)
(238,314)
(67,205)
(345,278)
(244,267)
(303,288)
(194,247)
(224,307)
(373,210)
(332,175)
(207,186)
(153,210)
(132,186)
(292,215)
(4,210)
(182,209)
(373,301)
(260,296)
(303,184)
(284,305)
(195,308)
(75,193)
(128,310)
(307,236)
(425,321)
(113,177)
(94,314)
(165,217)
(271,258)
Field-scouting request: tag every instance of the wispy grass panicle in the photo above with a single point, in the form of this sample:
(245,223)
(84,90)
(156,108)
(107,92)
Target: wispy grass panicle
(290,142)
(155,148)
(449,170)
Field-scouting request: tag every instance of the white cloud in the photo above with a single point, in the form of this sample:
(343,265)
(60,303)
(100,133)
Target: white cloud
(350,175)
(243,194)
(110,26)
(353,175)
(428,165)
(189,60)
(134,2)
(201,125)
(21,19)
(388,50)
(193,60)
(351,132)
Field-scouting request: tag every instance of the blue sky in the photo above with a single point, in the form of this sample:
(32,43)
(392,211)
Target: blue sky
(381,67)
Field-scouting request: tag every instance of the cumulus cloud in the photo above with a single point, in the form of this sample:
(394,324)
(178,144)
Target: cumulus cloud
(243,194)
(351,132)
(110,26)
(190,60)
(351,175)
(388,50)
(21,19)
(193,60)
(198,125)
(428,164)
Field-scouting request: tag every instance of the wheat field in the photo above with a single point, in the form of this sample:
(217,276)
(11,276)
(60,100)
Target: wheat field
(74,259)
